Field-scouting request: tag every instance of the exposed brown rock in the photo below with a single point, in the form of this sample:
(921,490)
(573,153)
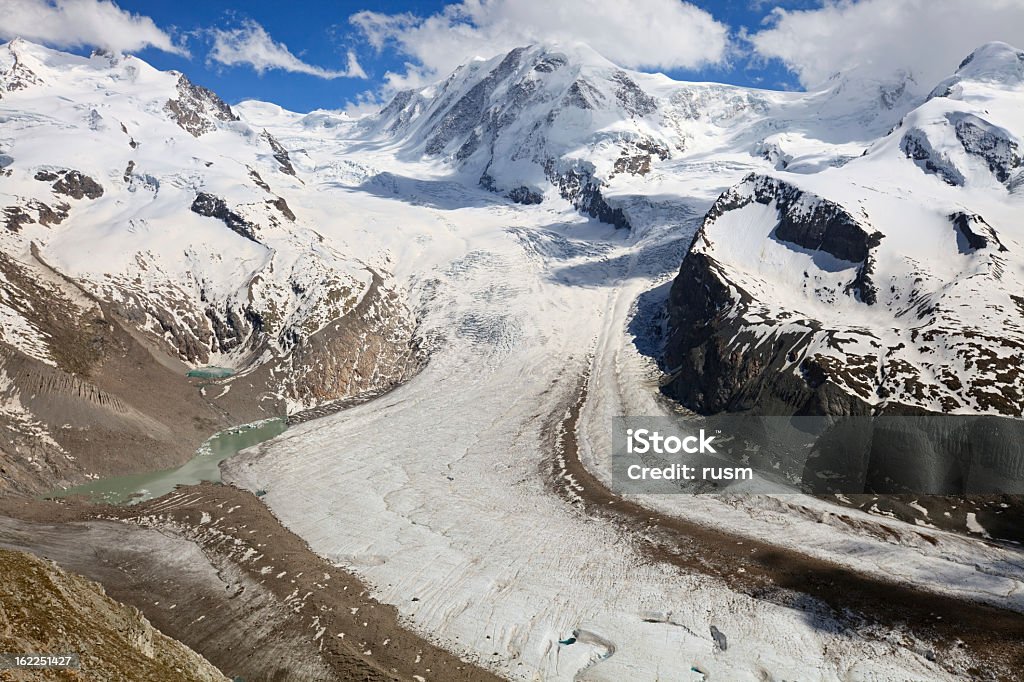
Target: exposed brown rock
(47,610)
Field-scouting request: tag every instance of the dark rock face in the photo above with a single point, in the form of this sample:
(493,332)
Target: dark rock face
(582,95)
(212,206)
(196,108)
(525,195)
(71,183)
(583,190)
(280,154)
(281,205)
(76,185)
(977,233)
(638,155)
(258,179)
(716,363)
(916,146)
(15,217)
(815,223)
(863,285)
(521,195)
(550,63)
(632,97)
(47,215)
(992,143)
(229,328)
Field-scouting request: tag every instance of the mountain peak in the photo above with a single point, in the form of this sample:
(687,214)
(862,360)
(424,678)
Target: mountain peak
(27,51)
(555,54)
(994,62)
(24,63)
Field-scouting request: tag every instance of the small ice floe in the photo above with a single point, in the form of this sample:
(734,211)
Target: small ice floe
(975,527)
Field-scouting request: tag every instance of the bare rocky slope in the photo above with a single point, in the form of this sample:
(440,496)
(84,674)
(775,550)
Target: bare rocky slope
(210,566)
(47,610)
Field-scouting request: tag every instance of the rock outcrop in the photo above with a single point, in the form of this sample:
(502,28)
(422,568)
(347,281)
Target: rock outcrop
(47,610)
(197,109)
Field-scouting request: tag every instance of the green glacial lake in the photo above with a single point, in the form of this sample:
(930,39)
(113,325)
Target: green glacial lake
(204,466)
(210,373)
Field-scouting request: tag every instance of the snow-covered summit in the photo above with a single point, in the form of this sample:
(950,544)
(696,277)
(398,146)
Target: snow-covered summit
(892,282)
(25,64)
(525,119)
(994,62)
(554,120)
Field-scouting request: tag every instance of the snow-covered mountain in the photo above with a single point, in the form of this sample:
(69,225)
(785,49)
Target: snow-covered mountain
(131,198)
(549,121)
(892,282)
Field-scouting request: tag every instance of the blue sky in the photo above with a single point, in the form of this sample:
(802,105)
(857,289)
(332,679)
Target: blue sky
(318,31)
(336,54)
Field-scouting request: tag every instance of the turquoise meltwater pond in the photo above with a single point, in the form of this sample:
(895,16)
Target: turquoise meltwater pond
(204,466)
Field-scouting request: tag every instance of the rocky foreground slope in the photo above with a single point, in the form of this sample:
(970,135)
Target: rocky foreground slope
(47,610)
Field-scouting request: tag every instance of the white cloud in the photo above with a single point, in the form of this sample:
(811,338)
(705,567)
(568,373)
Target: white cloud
(876,38)
(648,34)
(251,45)
(82,23)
